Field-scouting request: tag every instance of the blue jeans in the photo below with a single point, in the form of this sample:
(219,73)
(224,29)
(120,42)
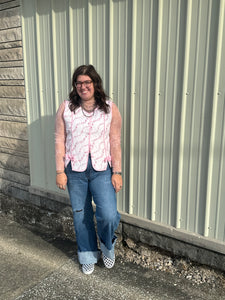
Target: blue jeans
(82,186)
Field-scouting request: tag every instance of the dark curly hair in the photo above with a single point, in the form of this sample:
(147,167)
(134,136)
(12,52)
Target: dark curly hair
(99,93)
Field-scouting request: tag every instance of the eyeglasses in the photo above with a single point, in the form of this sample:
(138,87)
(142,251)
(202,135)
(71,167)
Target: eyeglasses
(86,83)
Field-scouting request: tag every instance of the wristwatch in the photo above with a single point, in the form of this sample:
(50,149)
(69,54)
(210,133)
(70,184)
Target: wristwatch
(117,173)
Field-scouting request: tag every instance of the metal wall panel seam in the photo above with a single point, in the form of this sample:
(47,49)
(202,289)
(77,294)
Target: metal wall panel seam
(156,113)
(71,39)
(183,112)
(55,64)
(105,48)
(36,30)
(61,58)
(165,207)
(111,53)
(68,47)
(61,55)
(139,204)
(192,201)
(124,102)
(173,9)
(220,195)
(117,81)
(201,138)
(214,112)
(220,220)
(90,35)
(160,113)
(175,96)
(132,106)
(40,86)
(127,94)
(147,155)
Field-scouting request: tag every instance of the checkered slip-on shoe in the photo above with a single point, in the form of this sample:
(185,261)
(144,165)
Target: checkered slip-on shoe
(108,262)
(88,268)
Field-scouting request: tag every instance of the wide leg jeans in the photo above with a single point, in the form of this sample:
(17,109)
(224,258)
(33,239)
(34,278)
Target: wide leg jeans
(82,186)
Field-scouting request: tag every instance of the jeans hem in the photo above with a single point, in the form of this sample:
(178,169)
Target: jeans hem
(88,257)
(107,252)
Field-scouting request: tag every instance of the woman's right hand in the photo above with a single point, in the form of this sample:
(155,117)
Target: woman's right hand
(61,181)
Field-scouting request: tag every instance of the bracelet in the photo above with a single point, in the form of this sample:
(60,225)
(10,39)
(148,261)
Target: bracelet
(57,173)
(117,173)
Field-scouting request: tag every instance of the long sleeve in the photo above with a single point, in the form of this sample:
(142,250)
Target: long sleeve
(60,138)
(115,138)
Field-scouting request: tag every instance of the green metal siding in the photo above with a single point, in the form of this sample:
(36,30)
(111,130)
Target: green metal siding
(161,61)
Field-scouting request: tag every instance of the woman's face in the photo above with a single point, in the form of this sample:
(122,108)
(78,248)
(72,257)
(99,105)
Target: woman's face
(85,88)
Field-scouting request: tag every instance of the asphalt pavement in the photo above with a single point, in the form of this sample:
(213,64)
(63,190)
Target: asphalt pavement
(35,265)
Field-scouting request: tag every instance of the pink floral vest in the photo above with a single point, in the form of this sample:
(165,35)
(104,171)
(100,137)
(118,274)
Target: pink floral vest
(87,133)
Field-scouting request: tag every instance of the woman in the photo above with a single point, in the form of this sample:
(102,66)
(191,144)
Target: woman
(88,161)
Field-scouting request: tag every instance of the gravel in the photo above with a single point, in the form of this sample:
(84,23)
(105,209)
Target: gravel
(156,259)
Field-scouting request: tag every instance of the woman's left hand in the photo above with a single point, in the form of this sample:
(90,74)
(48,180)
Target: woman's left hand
(117,182)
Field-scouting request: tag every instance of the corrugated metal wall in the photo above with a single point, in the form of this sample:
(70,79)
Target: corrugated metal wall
(163,63)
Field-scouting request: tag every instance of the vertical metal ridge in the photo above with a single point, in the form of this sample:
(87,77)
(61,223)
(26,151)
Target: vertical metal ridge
(68,46)
(192,201)
(39,61)
(132,107)
(156,114)
(214,113)
(71,37)
(90,35)
(140,140)
(111,53)
(199,223)
(148,180)
(165,207)
(183,112)
(55,69)
(164,213)
(173,172)
(221,178)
